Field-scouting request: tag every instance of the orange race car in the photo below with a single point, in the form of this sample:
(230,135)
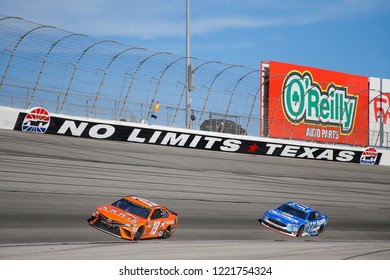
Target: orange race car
(135,218)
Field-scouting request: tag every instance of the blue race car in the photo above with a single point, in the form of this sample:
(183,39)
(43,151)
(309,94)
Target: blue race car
(295,219)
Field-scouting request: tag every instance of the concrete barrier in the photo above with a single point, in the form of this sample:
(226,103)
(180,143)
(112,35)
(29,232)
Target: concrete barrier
(8,117)
(38,120)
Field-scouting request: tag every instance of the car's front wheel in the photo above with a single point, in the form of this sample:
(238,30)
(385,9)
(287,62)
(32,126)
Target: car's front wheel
(139,233)
(320,230)
(167,233)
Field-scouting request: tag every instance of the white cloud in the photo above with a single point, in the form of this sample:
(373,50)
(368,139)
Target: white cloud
(219,23)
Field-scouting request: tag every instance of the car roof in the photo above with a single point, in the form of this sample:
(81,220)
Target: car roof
(299,206)
(143,202)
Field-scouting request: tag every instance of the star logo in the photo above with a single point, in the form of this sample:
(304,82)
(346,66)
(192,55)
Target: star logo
(253,148)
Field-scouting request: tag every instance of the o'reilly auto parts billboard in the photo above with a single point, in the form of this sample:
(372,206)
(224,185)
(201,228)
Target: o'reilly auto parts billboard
(313,104)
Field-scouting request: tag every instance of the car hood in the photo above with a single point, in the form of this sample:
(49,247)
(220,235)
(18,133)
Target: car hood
(119,215)
(283,217)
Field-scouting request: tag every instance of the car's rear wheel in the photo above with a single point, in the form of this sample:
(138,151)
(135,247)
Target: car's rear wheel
(300,231)
(139,233)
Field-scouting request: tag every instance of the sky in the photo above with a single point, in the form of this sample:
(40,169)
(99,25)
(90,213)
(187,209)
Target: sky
(350,36)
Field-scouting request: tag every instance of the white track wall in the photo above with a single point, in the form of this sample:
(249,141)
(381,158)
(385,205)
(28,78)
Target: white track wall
(9,118)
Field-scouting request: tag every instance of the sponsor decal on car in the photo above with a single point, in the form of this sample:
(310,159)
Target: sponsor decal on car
(118,132)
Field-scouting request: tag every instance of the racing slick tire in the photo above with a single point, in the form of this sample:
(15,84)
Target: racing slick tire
(139,233)
(167,233)
(320,230)
(300,231)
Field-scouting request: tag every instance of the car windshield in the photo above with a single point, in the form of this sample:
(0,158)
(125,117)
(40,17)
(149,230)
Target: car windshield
(293,211)
(131,207)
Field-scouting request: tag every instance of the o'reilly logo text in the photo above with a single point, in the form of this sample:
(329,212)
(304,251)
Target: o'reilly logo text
(305,102)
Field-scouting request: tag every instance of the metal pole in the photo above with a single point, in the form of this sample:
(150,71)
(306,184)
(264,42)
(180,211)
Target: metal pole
(188,95)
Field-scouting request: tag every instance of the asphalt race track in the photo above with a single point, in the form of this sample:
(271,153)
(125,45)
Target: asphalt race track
(49,185)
